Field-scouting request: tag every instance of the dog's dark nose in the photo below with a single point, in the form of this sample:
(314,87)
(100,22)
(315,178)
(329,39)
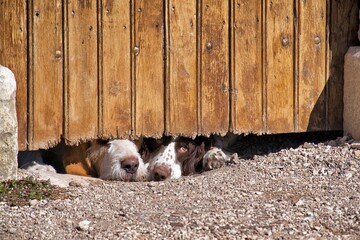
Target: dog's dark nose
(130,165)
(161,173)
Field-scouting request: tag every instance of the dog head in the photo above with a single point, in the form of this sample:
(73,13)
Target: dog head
(117,160)
(173,159)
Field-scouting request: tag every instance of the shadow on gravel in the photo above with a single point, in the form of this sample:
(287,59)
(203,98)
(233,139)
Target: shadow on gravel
(252,145)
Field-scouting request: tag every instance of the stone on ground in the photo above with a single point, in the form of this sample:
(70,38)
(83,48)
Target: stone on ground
(8,125)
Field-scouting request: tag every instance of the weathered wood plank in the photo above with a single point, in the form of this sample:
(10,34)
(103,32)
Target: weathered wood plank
(81,70)
(344,24)
(46,79)
(116,69)
(149,68)
(13,54)
(280,66)
(247,66)
(214,91)
(312,65)
(182,75)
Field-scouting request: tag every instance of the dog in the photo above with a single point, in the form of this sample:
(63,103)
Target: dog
(169,158)
(107,160)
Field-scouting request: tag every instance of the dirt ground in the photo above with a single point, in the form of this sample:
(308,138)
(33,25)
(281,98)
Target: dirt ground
(295,186)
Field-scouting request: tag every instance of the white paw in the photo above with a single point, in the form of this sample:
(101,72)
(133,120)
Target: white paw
(36,167)
(214,158)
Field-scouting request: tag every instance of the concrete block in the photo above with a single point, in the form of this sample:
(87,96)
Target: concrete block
(352,93)
(8,125)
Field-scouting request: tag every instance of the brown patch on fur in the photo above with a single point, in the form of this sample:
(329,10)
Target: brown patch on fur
(77,169)
(84,159)
(191,159)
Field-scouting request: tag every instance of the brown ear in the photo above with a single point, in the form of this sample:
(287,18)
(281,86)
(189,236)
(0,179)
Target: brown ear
(191,160)
(144,152)
(96,152)
(94,156)
(139,142)
(75,160)
(151,147)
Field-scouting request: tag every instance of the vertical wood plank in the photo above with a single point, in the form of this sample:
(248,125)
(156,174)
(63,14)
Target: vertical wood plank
(344,24)
(149,68)
(116,69)
(46,92)
(312,68)
(81,85)
(247,66)
(13,54)
(214,92)
(280,66)
(182,75)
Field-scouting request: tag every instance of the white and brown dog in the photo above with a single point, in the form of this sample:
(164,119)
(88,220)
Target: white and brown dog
(171,159)
(108,160)
(114,160)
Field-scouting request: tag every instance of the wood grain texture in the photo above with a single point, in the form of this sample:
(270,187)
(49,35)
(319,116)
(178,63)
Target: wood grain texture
(214,91)
(312,66)
(116,69)
(46,79)
(13,55)
(81,79)
(141,68)
(247,66)
(344,24)
(149,68)
(182,65)
(280,66)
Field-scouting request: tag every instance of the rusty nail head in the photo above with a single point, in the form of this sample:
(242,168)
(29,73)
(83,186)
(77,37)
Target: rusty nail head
(57,54)
(317,40)
(209,45)
(136,50)
(285,41)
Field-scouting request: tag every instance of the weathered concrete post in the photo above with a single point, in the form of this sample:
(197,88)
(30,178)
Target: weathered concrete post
(8,125)
(351,114)
(352,93)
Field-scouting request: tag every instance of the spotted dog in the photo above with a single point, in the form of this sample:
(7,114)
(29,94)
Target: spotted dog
(172,158)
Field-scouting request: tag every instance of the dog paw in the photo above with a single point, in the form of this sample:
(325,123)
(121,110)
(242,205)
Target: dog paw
(214,158)
(35,167)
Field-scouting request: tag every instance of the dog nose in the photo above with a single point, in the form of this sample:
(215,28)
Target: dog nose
(161,173)
(130,165)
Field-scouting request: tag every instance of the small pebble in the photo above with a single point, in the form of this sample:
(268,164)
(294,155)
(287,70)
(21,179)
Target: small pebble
(12,230)
(75,184)
(355,145)
(307,145)
(357,153)
(60,207)
(84,225)
(299,203)
(33,202)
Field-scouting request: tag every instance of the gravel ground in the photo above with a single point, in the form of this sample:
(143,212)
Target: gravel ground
(283,187)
